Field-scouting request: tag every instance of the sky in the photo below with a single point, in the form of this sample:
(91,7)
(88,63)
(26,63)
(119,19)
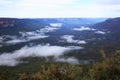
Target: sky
(59,8)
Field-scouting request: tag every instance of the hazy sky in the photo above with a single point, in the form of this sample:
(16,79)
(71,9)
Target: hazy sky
(59,8)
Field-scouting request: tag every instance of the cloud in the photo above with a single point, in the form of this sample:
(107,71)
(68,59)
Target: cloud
(5,2)
(5,38)
(74,47)
(100,32)
(1,45)
(53,27)
(83,29)
(1,39)
(70,60)
(69,39)
(33,35)
(58,8)
(108,2)
(56,24)
(45,3)
(16,41)
(48,29)
(12,59)
(26,36)
(88,29)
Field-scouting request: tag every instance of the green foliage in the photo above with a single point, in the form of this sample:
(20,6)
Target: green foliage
(54,72)
(108,69)
(4,75)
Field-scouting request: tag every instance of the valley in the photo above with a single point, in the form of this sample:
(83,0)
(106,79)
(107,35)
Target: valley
(25,44)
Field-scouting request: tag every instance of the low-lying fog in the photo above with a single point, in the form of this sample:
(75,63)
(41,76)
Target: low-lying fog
(39,50)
